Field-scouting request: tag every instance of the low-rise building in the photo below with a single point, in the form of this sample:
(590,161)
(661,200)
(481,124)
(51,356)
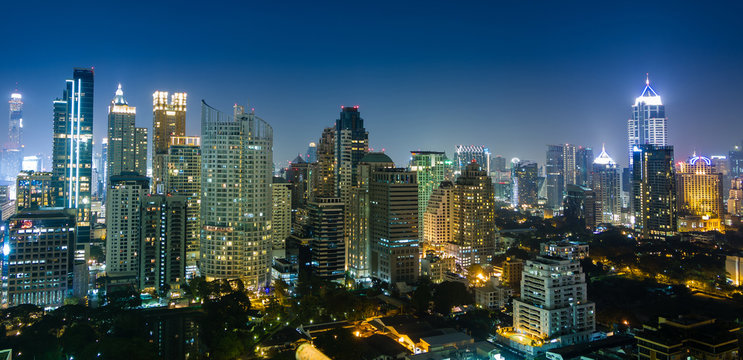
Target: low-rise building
(689,337)
(493,297)
(435,267)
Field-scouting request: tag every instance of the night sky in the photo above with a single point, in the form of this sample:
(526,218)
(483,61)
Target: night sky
(513,76)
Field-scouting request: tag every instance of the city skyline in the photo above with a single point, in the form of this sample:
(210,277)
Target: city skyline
(500,73)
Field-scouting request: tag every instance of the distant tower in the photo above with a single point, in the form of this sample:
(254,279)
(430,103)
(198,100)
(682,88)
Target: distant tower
(15,123)
(352,144)
(473,225)
(606,184)
(431,168)
(648,122)
(700,204)
(168,120)
(465,154)
(72,152)
(125,149)
(653,199)
(124,226)
(311,153)
(525,183)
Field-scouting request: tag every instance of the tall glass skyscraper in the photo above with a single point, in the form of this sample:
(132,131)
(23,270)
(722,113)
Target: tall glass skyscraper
(654,191)
(236,197)
(15,122)
(431,168)
(72,152)
(351,145)
(126,151)
(648,122)
(168,120)
(465,154)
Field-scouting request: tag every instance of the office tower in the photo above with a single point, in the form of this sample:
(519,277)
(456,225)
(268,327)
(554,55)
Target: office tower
(431,168)
(554,303)
(699,186)
(15,121)
(555,177)
(438,220)
(499,163)
(72,152)
(34,190)
(511,276)
(325,233)
(606,184)
(735,161)
(352,144)
(298,174)
(183,177)
(580,205)
(162,253)
(525,175)
(465,154)
(127,152)
(648,124)
(653,199)
(236,199)
(168,120)
(11,163)
(735,197)
(358,215)
(103,166)
(31,163)
(323,171)
(583,166)
(124,226)
(473,225)
(393,223)
(39,253)
(568,164)
(311,152)
(281,220)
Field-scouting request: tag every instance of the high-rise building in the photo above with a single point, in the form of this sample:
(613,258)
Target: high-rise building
(15,121)
(103,169)
(438,220)
(525,176)
(393,218)
(34,190)
(431,168)
(554,303)
(511,276)
(555,176)
(498,164)
(168,120)
(606,184)
(162,252)
(124,226)
(72,152)
(323,171)
(699,186)
(580,205)
(352,144)
(183,177)
(473,225)
(325,233)
(653,199)
(236,198)
(648,124)
(281,220)
(299,175)
(734,267)
(735,161)
(358,216)
(735,197)
(583,165)
(465,154)
(311,153)
(39,251)
(126,150)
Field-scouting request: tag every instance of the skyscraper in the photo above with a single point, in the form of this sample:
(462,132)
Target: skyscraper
(525,183)
(183,177)
(352,144)
(311,153)
(555,177)
(236,202)
(606,184)
(465,154)
(72,152)
(15,121)
(653,199)
(735,160)
(162,252)
(325,234)
(168,120)
(473,224)
(323,171)
(34,190)
(438,219)
(281,220)
(583,165)
(699,185)
(431,168)
(124,226)
(735,198)
(648,124)
(126,151)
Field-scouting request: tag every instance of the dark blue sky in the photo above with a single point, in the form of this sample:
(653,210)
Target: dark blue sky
(514,75)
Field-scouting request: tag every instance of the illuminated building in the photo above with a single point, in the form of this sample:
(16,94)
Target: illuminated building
(583,165)
(323,171)
(34,190)
(465,154)
(168,120)
(553,306)
(648,124)
(183,177)
(162,253)
(352,144)
(13,152)
(236,198)
(439,218)
(653,199)
(699,186)
(571,250)
(606,185)
(525,175)
(299,175)
(48,237)
(735,161)
(281,220)
(324,230)
(360,240)
(393,223)
(72,152)
(734,269)
(312,152)
(512,269)
(555,176)
(436,268)
(31,163)
(688,337)
(735,197)
(580,205)
(431,168)
(126,151)
(123,226)
(473,225)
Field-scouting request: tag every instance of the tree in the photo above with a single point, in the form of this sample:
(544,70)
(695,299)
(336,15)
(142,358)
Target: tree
(449,294)
(421,297)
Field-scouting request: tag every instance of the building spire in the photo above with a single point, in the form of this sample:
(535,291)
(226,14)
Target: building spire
(647,79)
(119,98)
